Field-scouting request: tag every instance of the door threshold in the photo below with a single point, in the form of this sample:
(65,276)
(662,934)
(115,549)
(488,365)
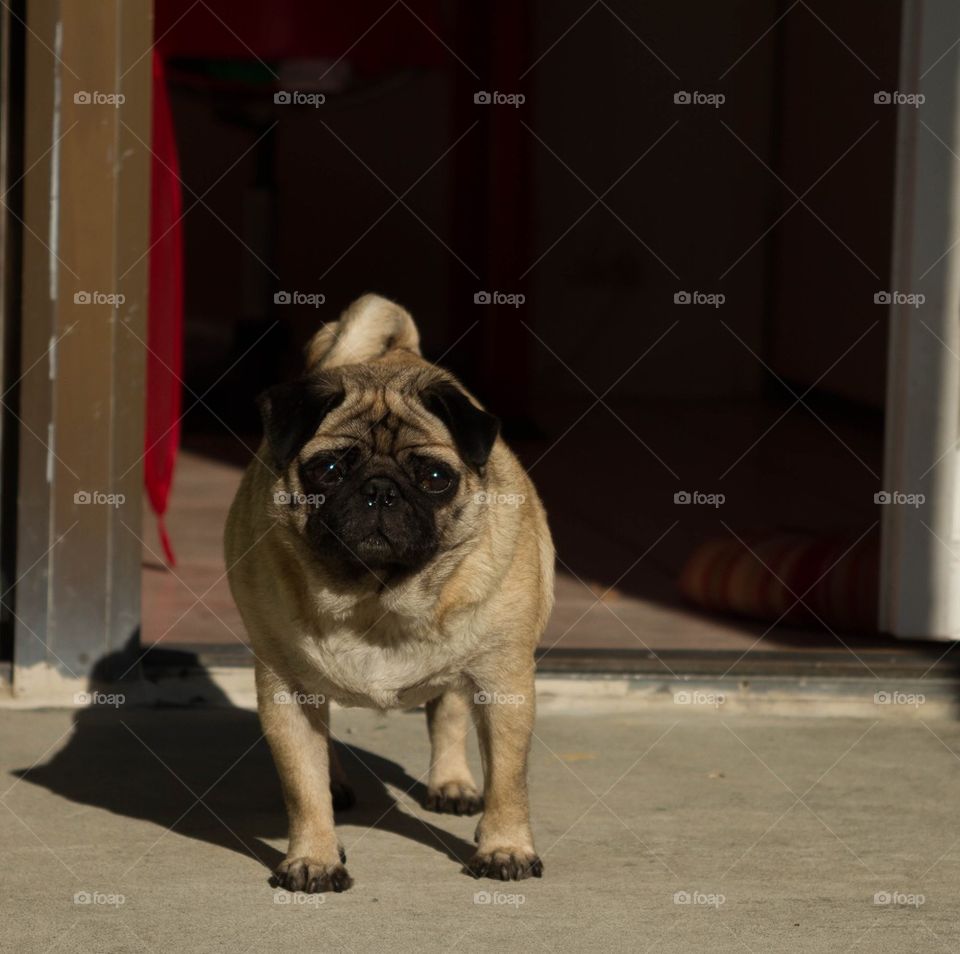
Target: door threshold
(879,684)
(907,660)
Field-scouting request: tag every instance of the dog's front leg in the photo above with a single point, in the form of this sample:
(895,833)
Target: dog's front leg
(504,710)
(299,737)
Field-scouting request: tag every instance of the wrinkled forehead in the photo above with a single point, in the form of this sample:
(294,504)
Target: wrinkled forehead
(385,421)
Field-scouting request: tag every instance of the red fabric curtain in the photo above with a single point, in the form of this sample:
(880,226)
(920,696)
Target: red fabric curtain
(165,324)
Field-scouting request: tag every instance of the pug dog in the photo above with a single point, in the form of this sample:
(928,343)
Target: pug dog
(387,550)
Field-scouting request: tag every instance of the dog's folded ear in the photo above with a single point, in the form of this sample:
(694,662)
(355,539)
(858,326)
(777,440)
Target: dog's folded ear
(292,412)
(474,431)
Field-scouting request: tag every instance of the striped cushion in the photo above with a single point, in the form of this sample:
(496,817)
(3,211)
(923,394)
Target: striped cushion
(836,577)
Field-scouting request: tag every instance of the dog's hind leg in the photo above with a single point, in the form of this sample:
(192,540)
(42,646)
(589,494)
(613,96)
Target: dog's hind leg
(451,787)
(340,787)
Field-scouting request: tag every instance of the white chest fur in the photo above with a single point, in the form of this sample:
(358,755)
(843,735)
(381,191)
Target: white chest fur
(389,665)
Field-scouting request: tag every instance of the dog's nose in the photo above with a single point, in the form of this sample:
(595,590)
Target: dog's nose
(380,492)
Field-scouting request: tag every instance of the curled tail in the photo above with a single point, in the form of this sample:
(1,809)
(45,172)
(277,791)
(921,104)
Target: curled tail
(367,330)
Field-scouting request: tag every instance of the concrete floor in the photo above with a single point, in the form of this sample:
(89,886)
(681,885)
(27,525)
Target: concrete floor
(777,833)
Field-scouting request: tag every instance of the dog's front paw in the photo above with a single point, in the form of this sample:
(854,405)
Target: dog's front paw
(506,864)
(310,876)
(454,798)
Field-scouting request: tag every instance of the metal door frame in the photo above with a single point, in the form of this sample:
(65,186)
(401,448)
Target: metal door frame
(82,322)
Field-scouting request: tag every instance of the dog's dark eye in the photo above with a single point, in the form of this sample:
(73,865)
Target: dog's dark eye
(329,470)
(435,479)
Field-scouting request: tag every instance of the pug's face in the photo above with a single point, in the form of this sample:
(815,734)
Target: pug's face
(377,466)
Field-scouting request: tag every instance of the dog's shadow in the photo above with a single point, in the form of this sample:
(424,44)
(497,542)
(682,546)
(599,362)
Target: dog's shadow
(205,771)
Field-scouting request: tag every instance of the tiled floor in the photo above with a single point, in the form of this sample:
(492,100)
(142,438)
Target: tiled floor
(610,502)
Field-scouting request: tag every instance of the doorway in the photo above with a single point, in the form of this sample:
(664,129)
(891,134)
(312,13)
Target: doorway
(686,261)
